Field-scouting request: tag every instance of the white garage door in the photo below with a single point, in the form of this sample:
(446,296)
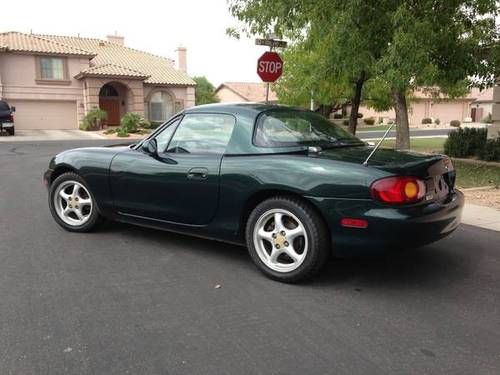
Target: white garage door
(43,114)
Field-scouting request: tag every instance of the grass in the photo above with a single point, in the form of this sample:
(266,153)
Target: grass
(371,128)
(476,174)
(470,173)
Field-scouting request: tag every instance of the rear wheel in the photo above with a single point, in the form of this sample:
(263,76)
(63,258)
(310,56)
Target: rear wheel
(10,131)
(72,204)
(287,240)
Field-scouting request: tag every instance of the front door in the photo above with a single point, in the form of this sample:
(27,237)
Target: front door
(180,183)
(112,108)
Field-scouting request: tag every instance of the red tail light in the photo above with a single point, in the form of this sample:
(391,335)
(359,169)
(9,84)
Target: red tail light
(398,190)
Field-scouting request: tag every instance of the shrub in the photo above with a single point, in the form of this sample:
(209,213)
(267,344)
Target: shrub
(93,119)
(455,123)
(426,120)
(110,131)
(337,116)
(463,143)
(121,132)
(380,120)
(369,121)
(491,150)
(360,115)
(437,121)
(345,122)
(131,122)
(487,119)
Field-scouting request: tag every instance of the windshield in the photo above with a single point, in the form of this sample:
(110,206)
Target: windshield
(285,128)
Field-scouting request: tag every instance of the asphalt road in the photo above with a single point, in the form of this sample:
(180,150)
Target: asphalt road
(128,300)
(366,134)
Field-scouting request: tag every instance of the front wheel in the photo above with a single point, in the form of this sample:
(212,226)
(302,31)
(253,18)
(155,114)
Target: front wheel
(11,131)
(72,204)
(287,239)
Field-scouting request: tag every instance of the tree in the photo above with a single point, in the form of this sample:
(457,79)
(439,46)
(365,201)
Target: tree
(400,44)
(205,91)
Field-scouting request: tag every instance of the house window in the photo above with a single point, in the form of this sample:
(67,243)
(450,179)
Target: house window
(52,68)
(161,106)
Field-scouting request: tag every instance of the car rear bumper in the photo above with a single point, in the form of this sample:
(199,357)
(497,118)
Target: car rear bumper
(6,125)
(389,227)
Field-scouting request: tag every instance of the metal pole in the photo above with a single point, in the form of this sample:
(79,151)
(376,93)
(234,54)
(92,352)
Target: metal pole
(267,84)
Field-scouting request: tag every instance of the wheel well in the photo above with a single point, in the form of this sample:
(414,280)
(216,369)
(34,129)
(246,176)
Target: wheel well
(261,196)
(59,171)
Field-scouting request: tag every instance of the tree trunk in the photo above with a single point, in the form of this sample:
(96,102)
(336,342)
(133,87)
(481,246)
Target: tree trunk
(356,100)
(402,125)
(325,110)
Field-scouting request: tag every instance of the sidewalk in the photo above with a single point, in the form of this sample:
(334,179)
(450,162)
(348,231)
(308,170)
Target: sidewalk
(50,135)
(481,216)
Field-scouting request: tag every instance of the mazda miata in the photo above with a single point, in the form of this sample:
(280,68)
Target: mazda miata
(287,183)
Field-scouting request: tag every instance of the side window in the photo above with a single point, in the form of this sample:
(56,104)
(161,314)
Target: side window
(163,138)
(202,134)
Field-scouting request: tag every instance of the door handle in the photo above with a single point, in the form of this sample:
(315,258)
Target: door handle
(197,173)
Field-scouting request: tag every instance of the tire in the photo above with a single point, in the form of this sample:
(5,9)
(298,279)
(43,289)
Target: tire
(294,251)
(68,196)
(11,131)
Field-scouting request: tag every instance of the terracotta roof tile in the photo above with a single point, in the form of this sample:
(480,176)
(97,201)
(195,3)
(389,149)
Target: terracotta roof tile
(20,42)
(112,70)
(250,91)
(159,70)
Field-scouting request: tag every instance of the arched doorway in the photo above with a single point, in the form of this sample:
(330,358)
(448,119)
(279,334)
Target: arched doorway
(113,100)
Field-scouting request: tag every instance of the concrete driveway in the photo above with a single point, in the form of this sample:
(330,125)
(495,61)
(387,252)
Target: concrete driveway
(129,300)
(50,135)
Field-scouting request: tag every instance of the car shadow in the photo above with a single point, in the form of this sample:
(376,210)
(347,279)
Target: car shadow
(439,264)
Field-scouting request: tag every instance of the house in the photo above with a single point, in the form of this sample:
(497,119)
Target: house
(423,104)
(53,81)
(240,92)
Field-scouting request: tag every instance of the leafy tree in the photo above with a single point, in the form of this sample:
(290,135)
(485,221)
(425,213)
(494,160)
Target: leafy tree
(205,91)
(401,44)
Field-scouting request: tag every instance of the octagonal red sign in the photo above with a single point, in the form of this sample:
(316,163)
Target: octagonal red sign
(269,66)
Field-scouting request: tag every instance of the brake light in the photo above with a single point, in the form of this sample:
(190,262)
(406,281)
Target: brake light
(398,190)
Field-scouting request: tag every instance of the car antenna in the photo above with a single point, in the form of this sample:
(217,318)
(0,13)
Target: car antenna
(378,144)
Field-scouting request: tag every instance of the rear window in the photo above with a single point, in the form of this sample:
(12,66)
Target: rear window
(285,128)
(4,106)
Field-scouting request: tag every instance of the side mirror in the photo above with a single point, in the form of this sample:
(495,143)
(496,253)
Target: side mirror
(12,109)
(150,146)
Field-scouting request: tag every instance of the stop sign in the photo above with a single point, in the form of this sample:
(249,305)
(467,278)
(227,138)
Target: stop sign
(269,66)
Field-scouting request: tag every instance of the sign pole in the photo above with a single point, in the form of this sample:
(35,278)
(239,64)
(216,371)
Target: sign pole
(267,84)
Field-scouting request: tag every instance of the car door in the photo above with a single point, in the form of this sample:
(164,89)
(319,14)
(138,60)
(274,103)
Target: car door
(179,183)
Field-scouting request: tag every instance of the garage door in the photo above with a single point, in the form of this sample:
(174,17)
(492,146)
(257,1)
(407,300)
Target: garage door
(41,114)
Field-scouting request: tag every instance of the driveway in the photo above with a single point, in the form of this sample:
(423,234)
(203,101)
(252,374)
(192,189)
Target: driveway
(132,300)
(49,135)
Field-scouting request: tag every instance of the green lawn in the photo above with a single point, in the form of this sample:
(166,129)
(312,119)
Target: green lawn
(371,128)
(469,173)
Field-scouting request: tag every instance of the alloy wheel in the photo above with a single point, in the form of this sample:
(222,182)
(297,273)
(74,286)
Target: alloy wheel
(280,240)
(73,203)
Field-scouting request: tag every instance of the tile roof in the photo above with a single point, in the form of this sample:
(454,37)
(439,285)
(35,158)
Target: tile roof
(19,42)
(250,91)
(484,96)
(107,70)
(159,70)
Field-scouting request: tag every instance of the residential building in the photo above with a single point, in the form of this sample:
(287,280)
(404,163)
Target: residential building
(240,92)
(53,81)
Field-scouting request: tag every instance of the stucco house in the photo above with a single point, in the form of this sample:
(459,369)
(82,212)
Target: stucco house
(422,104)
(53,81)
(240,92)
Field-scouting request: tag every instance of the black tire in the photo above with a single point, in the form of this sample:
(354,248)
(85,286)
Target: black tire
(94,216)
(11,131)
(317,232)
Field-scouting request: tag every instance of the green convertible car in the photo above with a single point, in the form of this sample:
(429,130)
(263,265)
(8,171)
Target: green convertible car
(287,183)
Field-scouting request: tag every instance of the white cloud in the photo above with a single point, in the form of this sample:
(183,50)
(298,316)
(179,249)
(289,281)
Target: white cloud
(154,26)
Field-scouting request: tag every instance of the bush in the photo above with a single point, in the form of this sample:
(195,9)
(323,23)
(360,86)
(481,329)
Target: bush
(345,122)
(463,143)
(487,119)
(121,132)
(110,131)
(131,122)
(337,116)
(369,121)
(93,119)
(360,115)
(455,123)
(426,120)
(437,121)
(491,150)
(380,120)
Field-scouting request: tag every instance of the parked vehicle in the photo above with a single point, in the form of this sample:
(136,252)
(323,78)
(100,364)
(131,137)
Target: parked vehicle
(286,183)
(7,117)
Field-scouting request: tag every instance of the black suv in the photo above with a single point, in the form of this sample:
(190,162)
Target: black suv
(6,117)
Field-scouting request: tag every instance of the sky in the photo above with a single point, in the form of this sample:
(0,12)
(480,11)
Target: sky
(158,27)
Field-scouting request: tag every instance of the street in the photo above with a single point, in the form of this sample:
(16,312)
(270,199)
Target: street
(132,300)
